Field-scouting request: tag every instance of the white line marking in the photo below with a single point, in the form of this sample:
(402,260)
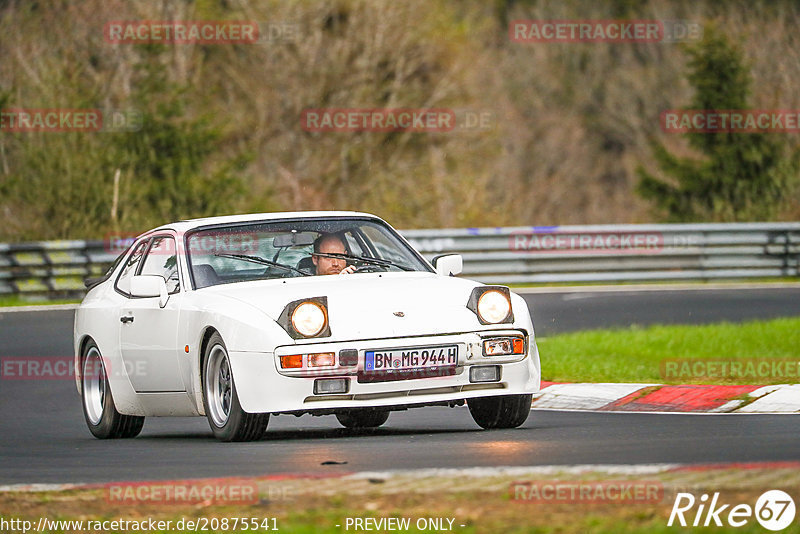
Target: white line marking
(38,487)
(485,472)
(580,296)
(49,307)
(472,472)
(634,288)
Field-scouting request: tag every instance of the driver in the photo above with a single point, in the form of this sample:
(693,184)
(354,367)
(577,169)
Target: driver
(330,244)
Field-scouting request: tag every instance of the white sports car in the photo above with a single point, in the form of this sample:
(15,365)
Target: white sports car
(242,317)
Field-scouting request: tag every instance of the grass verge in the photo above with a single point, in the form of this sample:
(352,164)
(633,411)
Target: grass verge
(677,354)
(461,504)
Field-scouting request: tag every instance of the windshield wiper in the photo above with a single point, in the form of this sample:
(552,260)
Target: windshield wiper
(262,261)
(364,259)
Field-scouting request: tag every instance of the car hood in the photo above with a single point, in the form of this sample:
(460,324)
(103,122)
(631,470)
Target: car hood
(367,306)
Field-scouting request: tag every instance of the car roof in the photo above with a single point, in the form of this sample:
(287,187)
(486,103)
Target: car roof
(186,225)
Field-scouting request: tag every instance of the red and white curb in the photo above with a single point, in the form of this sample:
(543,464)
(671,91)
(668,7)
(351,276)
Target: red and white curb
(782,398)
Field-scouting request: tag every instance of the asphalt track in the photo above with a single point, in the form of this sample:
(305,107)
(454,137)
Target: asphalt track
(581,310)
(43,438)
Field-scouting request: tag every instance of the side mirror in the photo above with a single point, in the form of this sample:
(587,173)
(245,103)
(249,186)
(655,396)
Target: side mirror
(448,265)
(150,285)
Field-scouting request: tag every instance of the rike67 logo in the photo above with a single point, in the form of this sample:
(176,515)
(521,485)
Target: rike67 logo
(774,510)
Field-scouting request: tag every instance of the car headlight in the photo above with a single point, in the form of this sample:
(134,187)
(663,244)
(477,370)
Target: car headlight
(309,319)
(306,318)
(492,304)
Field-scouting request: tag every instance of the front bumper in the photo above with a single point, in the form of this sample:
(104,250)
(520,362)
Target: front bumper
(263,387)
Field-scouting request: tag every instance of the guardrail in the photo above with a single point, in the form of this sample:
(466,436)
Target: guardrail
(619,253)
(520,255)
(53,268)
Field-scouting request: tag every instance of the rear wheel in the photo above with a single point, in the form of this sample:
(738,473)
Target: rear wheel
(102,417)
(227,419)
(508,411)
(364,418)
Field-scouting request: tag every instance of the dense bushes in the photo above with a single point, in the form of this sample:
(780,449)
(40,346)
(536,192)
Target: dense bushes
(221,131)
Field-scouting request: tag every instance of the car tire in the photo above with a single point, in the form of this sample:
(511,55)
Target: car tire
(102,417)
(508,411)
(362,418)
(227,419)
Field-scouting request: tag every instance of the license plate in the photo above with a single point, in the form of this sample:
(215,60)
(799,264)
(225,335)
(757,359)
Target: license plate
(414,362)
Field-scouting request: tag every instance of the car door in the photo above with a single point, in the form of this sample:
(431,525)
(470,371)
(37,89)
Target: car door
(148,332)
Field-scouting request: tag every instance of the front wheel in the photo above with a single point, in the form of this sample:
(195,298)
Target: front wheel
(102,417)
(363,418)
(508,411)
(227,419)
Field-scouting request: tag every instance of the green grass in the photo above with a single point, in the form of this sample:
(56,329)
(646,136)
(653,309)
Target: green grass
(479,512)
(639,354)
(33,301)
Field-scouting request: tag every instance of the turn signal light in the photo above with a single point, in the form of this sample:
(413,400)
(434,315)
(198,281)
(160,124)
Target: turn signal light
(293,361)
(503,346)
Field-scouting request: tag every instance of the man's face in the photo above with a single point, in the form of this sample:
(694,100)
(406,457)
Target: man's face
(327,265)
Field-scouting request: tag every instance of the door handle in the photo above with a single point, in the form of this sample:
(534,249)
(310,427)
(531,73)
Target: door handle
(126,319)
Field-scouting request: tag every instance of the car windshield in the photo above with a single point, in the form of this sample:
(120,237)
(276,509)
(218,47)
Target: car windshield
(285,249)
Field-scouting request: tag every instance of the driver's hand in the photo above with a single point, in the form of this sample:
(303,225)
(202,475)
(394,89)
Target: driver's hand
(348,270)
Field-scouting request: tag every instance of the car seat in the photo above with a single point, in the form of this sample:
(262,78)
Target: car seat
(205,275)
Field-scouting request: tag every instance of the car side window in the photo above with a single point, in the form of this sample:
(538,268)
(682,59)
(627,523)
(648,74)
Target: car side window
(129,269)
(162,260)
